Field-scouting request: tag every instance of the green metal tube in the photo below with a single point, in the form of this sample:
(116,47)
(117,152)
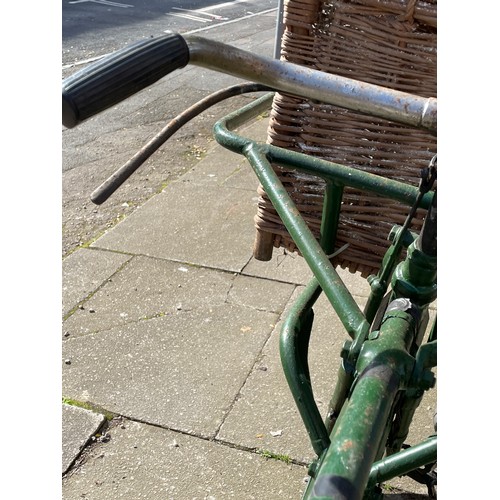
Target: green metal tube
(403,462)
(347,176)
(343,384)
(332,202)
(337,293)
(240,117)
(338,174)
(294,342)
(421,379)
(384,367)
(399,431)
(346,466)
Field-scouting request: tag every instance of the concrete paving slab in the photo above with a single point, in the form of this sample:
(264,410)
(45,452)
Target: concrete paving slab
(84,271)
(78,426)
(266,406)
(215,188)
(182,371)
(220,170)
(226,169)
(202,225)
(251,292)
(146,288)
(150,463)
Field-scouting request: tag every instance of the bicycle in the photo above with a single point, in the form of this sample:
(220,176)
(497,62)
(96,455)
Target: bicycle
(387,365)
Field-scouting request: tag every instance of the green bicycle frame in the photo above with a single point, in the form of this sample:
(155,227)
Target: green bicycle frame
(385,367)
(380,369)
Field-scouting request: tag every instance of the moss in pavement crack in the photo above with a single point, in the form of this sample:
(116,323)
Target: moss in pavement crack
(275,456)
(88,406)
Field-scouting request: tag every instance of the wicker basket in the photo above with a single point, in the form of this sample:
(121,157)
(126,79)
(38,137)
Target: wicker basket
(386,42)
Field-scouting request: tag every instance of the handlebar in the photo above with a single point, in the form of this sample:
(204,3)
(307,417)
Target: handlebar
(127,71)
(119,75)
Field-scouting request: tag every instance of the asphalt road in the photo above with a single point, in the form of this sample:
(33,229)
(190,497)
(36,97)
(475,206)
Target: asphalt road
(92,151)
(92,28)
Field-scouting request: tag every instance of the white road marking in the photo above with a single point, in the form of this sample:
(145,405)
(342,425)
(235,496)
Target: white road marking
(193,14)
(201,11)
(228,22)
(222,5)
(104,2)
(190,17)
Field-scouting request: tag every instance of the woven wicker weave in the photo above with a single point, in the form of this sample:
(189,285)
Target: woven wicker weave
(387,42)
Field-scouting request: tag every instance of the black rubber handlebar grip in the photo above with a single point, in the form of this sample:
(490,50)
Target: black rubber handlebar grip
(119,75)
